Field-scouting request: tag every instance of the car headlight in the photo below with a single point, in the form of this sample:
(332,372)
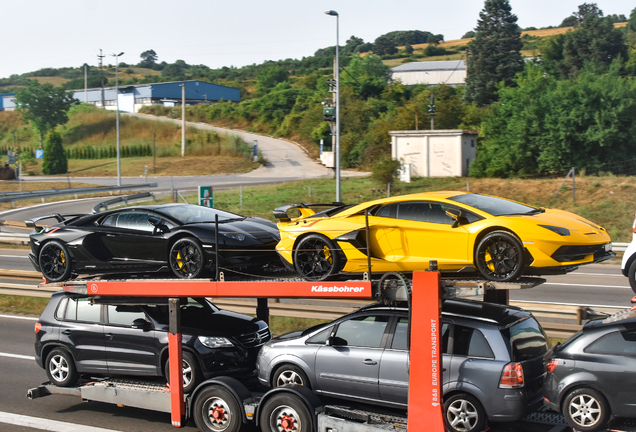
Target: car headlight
(559,230)
(264,349)
(215,342)
(235,236)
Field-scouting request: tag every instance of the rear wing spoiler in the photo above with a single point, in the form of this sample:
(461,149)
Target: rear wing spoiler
(60,218)
(305,209)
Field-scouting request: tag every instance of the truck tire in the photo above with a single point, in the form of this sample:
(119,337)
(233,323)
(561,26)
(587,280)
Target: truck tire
(285,412)
(216,410)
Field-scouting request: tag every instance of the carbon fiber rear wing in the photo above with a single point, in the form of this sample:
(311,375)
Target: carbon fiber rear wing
(61,218)
(305,209)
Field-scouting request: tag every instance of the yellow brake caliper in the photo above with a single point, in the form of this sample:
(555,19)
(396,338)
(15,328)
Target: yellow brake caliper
(327,253)
(180,262)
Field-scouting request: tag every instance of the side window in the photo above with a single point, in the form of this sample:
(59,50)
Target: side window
(124,315)
(86,311)
(424,212)
(320,338)
(136,221)
(471,343)
(400,337)
(61,309)
(363,331)
(387,211)
(445,336)
(616,343)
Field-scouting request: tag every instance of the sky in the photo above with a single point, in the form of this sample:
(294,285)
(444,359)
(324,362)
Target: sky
(68,33)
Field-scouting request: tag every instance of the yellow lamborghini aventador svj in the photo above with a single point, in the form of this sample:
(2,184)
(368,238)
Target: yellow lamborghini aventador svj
(464,232)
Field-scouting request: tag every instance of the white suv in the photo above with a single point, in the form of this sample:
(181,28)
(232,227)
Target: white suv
(628,266)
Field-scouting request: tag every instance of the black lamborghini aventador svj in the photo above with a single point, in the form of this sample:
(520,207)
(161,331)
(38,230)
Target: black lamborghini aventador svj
(180,238)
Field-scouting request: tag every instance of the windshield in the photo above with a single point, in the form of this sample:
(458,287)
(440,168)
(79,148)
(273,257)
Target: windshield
(495,206)
(194,214)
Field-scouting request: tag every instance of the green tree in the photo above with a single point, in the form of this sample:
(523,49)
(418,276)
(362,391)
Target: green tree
(270,77)
(596,41)
(44,105)
(148,59)
(54,161)
(384,45)
(631,24)
(494,54)
(547,125)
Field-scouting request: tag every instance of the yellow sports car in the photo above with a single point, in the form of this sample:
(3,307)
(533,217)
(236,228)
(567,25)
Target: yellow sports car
(463,232)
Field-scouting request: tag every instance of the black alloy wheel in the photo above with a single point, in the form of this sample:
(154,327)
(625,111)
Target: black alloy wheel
(316,258)
(186,258)
(499,257)
(55,262)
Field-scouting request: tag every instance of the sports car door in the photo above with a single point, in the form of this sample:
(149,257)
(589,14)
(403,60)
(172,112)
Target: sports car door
(416,232)
(130,237)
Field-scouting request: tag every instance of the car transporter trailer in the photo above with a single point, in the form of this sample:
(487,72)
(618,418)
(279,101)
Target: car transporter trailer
(224,404)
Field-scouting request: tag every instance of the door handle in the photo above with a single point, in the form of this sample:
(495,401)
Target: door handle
(370,362)
(67,332)
(444,370)
(109,336)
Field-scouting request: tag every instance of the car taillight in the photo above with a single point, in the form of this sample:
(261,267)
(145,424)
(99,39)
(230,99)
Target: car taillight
(634,225)
(552,364)
(512,376)
(38,326)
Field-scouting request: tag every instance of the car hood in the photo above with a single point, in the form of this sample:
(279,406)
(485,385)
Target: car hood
(222,323)
(257,228)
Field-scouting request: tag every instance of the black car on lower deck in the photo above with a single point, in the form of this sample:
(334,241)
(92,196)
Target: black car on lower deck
(188,240)
(592,376)
(75,336)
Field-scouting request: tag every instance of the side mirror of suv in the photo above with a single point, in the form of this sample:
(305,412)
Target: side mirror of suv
(141,323)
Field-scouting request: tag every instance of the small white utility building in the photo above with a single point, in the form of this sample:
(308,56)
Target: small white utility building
(434,153)
(449,72)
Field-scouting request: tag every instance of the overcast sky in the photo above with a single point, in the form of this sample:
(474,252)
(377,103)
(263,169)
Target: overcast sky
(61,33)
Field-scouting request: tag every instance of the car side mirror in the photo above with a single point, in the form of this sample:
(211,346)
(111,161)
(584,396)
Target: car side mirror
(140,323)
(159,226)
(456,215)
(336,341)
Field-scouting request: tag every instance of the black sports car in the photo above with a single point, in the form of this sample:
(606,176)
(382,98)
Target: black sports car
(179,237)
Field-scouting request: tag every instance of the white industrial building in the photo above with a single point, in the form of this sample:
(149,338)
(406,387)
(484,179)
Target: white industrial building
(434,153)
(451,73)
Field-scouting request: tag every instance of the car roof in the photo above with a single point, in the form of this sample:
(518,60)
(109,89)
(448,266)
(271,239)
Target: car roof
(500,315)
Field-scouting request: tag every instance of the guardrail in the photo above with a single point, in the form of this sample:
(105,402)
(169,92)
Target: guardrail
(330,310)
(17,196)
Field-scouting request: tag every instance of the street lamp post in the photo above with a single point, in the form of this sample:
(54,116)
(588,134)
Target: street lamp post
(337,73)
(117,120)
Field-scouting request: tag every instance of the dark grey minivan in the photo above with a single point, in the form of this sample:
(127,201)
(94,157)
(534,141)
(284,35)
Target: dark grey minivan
(494,361)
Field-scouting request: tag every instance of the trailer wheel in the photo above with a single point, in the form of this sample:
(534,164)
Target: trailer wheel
(216,409)
(60,368)
(284,412)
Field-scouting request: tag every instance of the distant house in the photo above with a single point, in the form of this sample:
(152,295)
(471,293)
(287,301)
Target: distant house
(133,97)
(451,72)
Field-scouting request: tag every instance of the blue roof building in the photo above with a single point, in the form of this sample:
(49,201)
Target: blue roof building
(133,97)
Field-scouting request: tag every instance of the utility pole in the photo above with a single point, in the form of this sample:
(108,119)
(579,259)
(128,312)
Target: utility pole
(432,111)
(183,120)
(85,83)
(101,73)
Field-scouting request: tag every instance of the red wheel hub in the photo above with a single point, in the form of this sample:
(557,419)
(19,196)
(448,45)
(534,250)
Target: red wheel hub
(218,413)
(287,423)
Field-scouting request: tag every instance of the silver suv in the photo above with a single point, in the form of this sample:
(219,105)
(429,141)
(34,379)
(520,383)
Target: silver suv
(494,361)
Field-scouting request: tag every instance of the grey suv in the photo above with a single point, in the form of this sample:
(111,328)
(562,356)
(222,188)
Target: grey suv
(494,360)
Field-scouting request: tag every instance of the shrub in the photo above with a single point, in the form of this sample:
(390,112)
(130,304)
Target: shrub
(54,158)
(386,170)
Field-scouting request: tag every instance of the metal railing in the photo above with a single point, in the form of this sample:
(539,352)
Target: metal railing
(17,196)
(330,310)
